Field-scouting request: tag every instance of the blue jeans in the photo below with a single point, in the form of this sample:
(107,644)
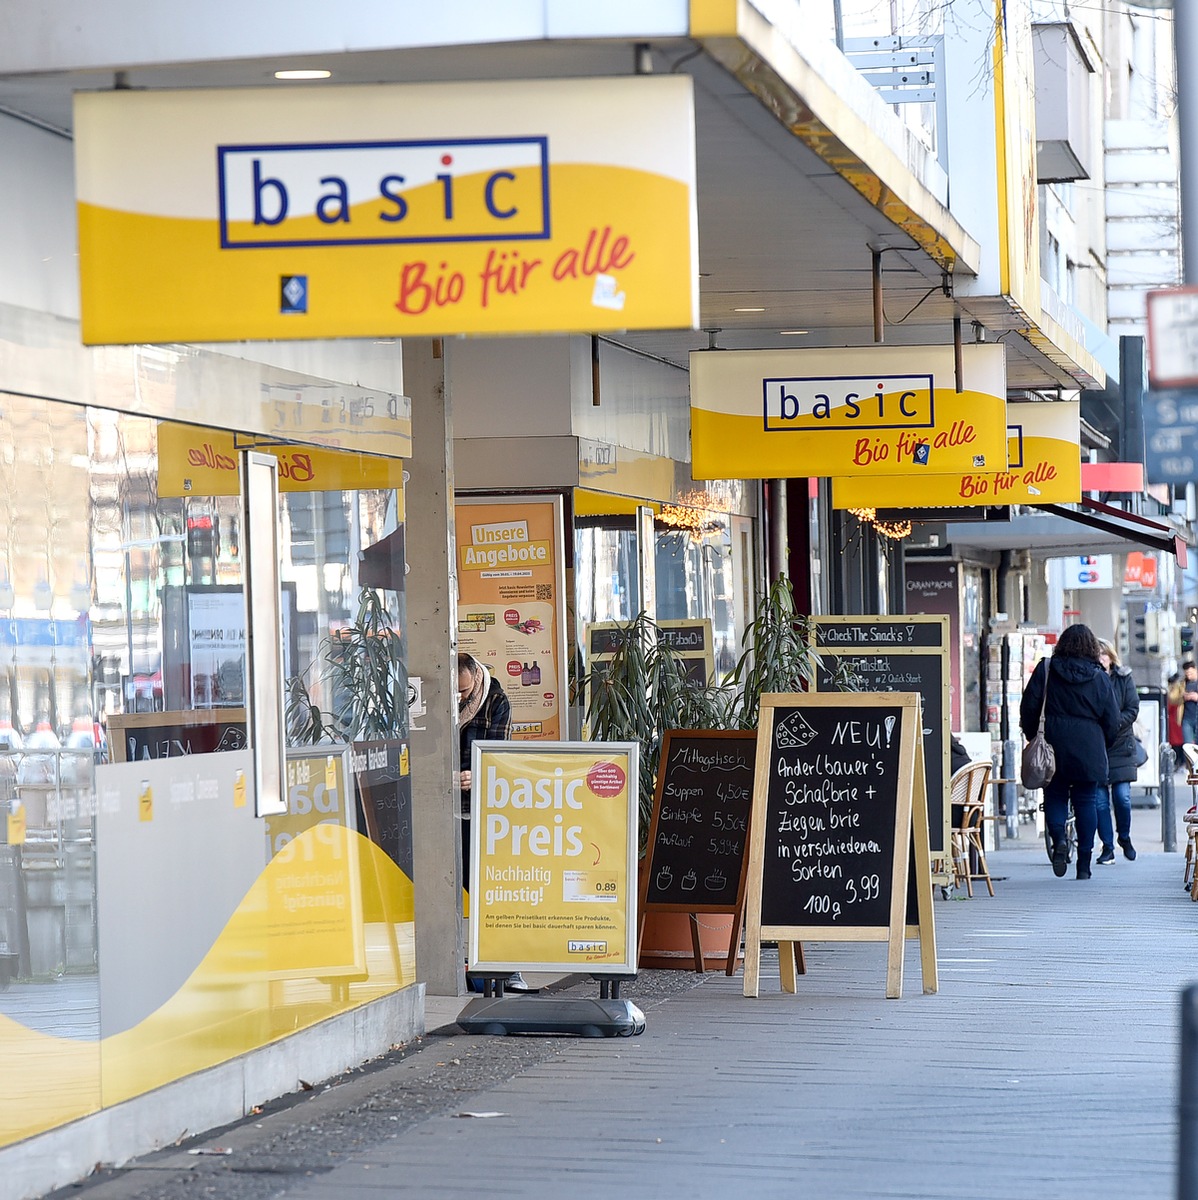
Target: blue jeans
(1057,796)
(1120,794)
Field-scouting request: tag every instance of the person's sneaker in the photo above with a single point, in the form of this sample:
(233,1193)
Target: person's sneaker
(1083,872)
(1107,856)
(1129,851)
(517,983)
(1060,857)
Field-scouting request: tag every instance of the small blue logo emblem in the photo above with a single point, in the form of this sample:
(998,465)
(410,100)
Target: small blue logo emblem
(922,451)
(293,294)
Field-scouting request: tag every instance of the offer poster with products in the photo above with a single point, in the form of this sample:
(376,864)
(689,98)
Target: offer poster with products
(511,604)
(553,857)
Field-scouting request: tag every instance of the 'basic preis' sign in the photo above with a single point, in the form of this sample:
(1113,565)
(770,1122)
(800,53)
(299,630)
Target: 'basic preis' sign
(553,856)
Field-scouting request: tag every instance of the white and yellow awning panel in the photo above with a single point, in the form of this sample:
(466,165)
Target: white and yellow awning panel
(876,410)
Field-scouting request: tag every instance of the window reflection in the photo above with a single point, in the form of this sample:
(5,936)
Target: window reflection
(142,906)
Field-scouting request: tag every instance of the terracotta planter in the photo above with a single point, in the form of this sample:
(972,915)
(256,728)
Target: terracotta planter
(667,941)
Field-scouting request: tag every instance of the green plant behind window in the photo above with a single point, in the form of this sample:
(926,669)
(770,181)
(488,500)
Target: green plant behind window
(362,667)
(643,690)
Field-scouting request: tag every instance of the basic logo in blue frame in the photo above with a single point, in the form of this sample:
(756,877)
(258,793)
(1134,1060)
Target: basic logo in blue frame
(815,403)
(363,192)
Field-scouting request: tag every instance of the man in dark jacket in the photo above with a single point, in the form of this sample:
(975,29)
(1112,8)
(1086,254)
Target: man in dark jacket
(1081,721)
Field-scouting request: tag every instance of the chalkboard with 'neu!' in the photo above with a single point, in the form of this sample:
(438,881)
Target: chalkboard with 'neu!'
(832,824)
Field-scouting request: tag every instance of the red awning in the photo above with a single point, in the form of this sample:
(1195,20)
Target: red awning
(1130,526)
(1113,477)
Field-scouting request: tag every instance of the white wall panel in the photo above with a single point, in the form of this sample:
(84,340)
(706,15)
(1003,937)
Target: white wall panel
(55,35)
(509,387)
(37,235)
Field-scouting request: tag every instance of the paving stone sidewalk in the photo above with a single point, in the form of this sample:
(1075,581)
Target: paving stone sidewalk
(1045,1067)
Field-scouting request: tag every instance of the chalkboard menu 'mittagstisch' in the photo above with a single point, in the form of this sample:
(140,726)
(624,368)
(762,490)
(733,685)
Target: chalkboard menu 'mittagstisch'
(698,834)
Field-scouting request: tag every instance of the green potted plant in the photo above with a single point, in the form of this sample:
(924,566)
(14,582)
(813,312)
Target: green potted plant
(363,668)
(643,690)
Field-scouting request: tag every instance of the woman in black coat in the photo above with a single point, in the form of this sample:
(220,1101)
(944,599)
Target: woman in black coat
(1121,758)
(1081,721)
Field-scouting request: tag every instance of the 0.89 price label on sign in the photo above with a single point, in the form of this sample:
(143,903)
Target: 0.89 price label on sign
(590,887)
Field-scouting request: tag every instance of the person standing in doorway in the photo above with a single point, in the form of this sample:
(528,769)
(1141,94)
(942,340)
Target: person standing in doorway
(1121,758)
(484,715)
(1081,720)
(1189,712)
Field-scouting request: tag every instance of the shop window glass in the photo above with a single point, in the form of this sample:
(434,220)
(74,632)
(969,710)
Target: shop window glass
(150,924)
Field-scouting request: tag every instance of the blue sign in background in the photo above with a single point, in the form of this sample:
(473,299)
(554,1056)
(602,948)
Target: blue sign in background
(1171,436)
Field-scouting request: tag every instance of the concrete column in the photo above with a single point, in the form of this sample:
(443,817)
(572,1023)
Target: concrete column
(432,645)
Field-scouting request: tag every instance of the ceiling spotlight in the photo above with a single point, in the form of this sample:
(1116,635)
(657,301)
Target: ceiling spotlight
(307,74)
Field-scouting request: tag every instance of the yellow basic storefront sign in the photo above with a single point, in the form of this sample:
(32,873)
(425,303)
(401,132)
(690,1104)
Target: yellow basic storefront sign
(522,206)
(1043,467)
(874,410)
(553,857)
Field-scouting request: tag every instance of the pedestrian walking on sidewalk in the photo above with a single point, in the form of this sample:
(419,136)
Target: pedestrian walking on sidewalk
(1081,720)
(1175,703)
(1122,760)
(1189,712)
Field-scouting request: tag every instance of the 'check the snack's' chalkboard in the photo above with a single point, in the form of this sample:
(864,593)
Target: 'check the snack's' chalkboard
(831,825)
(699,830)
(899,654)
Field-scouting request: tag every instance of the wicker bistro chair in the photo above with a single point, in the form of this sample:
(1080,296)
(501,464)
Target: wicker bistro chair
(1190,877)
(968,789)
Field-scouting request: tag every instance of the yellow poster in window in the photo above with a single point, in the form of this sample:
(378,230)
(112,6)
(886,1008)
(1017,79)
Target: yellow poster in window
(511,604)
(553,857)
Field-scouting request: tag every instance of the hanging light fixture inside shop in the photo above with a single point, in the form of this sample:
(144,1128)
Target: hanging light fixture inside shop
(895,530)
(693,515)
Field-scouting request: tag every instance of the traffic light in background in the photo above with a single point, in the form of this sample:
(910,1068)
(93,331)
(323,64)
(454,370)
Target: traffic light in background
(1187,639)
(1192,615)
(1152,629)
(1146,633)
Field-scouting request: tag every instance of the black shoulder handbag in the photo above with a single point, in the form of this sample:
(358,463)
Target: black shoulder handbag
(1039,761)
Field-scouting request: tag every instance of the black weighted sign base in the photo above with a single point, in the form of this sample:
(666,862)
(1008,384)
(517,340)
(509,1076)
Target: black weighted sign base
(577,1015)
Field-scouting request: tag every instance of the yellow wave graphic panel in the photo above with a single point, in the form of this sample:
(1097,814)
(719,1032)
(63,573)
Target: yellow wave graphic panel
(243,995)
(1050,473)
(159,279)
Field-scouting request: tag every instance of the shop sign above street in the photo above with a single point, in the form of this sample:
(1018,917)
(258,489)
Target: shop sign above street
(1173,337)
(387,210)
(1043,464)
(873,410)
(1171,436)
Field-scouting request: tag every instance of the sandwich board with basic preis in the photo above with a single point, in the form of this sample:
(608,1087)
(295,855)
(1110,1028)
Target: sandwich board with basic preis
(837,803)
